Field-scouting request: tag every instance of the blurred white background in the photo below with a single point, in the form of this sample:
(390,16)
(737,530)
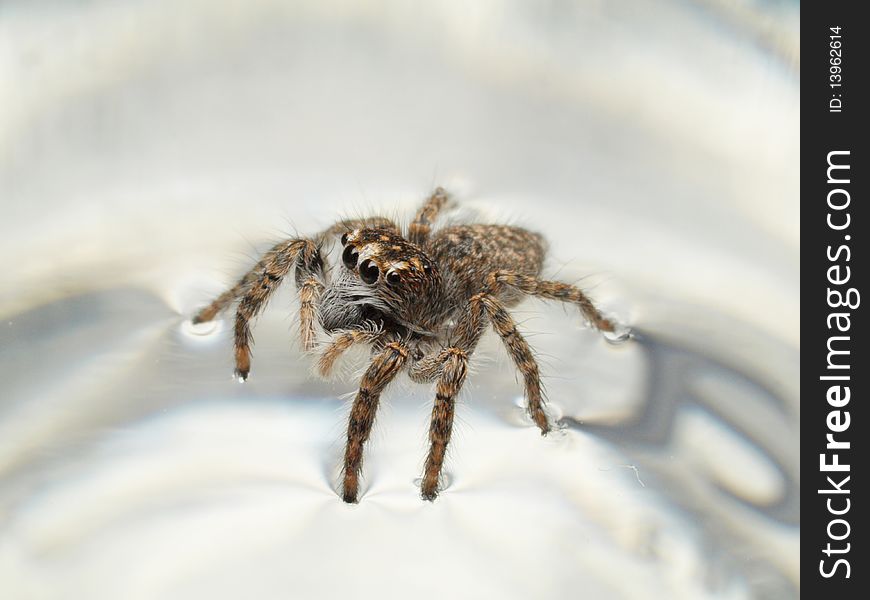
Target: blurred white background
(150,150)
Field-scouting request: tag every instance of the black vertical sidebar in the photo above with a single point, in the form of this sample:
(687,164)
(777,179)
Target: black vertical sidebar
(835,223)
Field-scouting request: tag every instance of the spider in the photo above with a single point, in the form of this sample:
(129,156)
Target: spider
(421,298)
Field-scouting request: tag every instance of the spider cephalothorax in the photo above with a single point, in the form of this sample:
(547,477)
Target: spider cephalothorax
(422,300)
(383,277)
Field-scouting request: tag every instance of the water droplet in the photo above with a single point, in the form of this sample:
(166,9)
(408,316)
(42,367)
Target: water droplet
(619,335)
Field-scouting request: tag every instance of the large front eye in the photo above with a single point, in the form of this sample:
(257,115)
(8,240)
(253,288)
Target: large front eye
(349,257)
(368,271)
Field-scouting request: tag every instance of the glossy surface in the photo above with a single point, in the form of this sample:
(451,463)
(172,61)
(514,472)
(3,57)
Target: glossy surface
(152,150)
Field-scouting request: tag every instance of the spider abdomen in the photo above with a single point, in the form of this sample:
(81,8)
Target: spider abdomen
(467,254)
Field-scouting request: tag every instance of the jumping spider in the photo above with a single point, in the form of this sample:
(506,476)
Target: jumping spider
(422,299)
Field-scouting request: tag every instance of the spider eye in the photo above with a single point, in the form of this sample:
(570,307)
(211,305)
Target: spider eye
(393,278)
(368,271)
(344,239)
(349,257)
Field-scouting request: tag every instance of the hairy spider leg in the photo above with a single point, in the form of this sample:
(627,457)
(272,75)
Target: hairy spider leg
(346,225)
(421,226)
(450,369)
(228,297)
(521,354)
(381,372)
(310,276)
(258,285)
(341,343)
(309,285)
(552,290)
(485,308)
(306,256)
(453,372)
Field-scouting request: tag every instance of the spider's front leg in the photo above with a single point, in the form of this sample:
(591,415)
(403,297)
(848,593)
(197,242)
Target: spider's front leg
(310,275)
(381,371)
(258,285)
(310,285)
(454,368)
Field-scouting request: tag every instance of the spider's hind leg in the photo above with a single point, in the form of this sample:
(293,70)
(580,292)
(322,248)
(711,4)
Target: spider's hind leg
(521,354)
(552,290)
(346,225)
(450,368)
(514,342)
(484,308)
(421,226)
